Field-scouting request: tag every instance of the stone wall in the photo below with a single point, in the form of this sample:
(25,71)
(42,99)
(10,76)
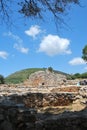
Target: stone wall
(19,110)
(45,100)
(22,118)
(45,78)
(38,100)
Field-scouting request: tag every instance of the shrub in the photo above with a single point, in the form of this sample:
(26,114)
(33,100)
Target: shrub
(2,81)
(50,69)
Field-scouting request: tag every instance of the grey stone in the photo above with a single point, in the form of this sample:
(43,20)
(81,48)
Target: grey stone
(6,125)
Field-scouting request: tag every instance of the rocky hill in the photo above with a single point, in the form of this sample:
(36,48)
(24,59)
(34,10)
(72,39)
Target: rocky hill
(22,75)
(45,79)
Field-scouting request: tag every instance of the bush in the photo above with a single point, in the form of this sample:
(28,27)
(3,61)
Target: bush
(77,75)
(84,75)
(50,69)
(70,77)
(2,81)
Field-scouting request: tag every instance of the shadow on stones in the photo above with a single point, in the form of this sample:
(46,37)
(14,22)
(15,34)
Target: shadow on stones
(21,113)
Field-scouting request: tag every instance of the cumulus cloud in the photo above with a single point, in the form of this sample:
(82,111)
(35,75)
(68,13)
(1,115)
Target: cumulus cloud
(20,48)
(54,45)
(77,61)
(33,31)
(3,54)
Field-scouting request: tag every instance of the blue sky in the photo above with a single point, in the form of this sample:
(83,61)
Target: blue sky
(37,44)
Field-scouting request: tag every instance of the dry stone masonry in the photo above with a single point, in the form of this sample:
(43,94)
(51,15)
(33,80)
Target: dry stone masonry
(14,117)
(45,78)
(45,101)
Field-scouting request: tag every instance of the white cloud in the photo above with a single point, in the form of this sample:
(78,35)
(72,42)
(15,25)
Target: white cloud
(53,45)
(3,54)
(33,31)
(15,37)
(18,44)
(20,48)
(77,61)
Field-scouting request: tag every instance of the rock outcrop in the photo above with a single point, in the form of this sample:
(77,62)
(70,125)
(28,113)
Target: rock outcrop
(45,78)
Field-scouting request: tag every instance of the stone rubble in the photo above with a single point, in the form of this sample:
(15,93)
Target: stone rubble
(38,108)
(45,78)
(22,118)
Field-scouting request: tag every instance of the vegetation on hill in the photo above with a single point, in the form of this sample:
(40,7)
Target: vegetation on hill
(2,79)
(20,76)
(77,76)
(83,75)
(84,53)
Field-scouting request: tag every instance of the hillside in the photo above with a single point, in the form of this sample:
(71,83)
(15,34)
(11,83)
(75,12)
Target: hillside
(20,76)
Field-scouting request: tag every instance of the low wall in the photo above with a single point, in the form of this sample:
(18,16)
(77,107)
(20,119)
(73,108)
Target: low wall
(36,100)
(17,112)
(15,118)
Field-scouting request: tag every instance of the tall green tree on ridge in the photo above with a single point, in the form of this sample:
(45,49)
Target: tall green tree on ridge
(2,81)
(84,53)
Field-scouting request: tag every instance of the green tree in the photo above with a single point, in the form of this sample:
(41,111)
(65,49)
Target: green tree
(50,69)
(35,8)
(2,81)
(77,75)
(84,53)
(84,75)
